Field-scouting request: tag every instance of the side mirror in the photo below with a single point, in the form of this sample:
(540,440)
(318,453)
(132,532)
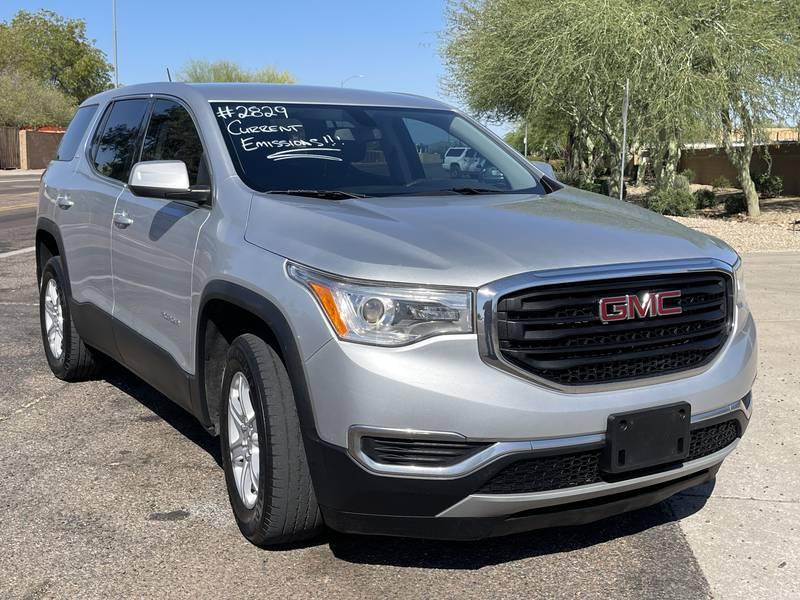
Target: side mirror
(167,179)
(545,168)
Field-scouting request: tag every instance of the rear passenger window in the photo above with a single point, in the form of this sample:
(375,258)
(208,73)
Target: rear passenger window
(68,147)
(171,135)
(115,148)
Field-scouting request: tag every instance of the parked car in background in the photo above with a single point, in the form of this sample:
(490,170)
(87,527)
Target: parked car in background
(383,345)
(461,161)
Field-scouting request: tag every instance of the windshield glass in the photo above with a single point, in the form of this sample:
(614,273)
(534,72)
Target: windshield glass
(366,151)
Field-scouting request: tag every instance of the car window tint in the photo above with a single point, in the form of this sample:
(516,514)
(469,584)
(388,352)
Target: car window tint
(68,147)
(115,148)
(171,135)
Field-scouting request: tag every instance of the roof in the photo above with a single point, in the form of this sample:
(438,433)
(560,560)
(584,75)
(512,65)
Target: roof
(264,92)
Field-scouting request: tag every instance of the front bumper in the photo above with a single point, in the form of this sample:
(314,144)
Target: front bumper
(355,500)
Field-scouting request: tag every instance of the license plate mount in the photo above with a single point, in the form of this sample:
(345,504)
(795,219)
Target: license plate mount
(645,438)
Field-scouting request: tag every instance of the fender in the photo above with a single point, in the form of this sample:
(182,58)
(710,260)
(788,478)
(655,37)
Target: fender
(275,320)
(49,226)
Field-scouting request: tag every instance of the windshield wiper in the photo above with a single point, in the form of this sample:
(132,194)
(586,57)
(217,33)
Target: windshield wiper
(324,194)
(471,191)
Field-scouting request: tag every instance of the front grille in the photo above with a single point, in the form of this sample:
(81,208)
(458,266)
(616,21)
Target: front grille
(546,473)
(555,333)
(582,468)
(710,439)
(428,453)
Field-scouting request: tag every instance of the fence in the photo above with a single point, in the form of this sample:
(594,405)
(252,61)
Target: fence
(9,148)
(39,148)
(26,148)
(710,163)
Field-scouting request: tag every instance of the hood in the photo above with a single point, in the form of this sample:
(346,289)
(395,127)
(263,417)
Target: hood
(469,240)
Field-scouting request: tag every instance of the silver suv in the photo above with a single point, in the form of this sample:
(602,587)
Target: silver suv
(382,347)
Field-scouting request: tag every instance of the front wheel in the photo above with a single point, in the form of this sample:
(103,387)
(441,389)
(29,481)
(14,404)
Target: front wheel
(265,464)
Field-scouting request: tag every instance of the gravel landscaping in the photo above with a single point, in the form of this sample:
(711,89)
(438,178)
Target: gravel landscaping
(767,235)
(777,230)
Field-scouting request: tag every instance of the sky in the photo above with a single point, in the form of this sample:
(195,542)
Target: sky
(393,44)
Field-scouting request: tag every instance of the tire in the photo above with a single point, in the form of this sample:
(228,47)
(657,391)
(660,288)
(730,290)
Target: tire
(68,357)
(283,508)
(455,171)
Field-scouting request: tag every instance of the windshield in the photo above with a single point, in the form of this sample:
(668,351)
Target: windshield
(366,151)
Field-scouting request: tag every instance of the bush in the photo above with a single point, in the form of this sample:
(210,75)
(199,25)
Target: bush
(689,174)
(705,198)
(721,183)
(735,204)
(589,186)
(768,186)
(676,202)
(682,183)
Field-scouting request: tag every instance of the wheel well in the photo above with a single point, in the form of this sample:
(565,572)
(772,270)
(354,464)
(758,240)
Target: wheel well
(46,248)
(220,324)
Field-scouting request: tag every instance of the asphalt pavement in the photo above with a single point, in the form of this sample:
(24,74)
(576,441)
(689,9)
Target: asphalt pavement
(109,490)
(18,196)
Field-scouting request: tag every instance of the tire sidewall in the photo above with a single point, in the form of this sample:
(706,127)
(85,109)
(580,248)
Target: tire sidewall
(248,519)
(53,271)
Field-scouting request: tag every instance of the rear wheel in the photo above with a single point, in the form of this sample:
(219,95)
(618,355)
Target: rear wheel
(68,357)
(455,171)
(266,470)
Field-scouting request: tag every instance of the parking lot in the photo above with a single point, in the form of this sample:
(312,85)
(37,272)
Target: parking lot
(107,489)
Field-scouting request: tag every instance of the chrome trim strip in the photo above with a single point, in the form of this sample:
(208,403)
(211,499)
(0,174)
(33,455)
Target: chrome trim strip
(495,505)
(491,453)
(471,464)
(488,295)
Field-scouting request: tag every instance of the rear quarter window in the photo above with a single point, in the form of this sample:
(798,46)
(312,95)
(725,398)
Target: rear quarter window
(68,147)
(454,152)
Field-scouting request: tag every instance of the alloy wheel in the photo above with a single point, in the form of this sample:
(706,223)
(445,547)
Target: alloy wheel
(243,439)
(54,319)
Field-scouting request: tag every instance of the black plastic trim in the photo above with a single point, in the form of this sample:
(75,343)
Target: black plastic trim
(576,513)
(95,326)
(50,227)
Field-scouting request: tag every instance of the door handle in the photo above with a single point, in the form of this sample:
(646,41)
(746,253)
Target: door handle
(122,220)
(64,202)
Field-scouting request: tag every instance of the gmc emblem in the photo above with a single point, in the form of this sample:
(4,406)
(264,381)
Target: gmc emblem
(632,306)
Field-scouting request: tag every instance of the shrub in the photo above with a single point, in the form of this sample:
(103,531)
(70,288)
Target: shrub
(735,204)
(689,174)
(721,183)
(676,202)
(682,183)
(768,186)
(705,198)
(589,186)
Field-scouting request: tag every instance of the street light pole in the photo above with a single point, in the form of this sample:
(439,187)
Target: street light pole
(343,81)
(624,136)
(114,19)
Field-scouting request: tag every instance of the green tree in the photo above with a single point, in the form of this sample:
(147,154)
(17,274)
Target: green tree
(747,53)
(199,71)
(512,58)
(26,101)
(698,68)
(54,50)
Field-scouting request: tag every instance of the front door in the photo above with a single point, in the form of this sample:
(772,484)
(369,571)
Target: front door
(152,248)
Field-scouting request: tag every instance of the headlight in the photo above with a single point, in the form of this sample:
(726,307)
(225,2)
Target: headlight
(386,314)
(738,275)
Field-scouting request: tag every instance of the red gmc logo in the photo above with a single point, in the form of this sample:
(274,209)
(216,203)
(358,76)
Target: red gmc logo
(620,308)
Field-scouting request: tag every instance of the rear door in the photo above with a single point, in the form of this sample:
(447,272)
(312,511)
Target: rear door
(85,209)
(153,242)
